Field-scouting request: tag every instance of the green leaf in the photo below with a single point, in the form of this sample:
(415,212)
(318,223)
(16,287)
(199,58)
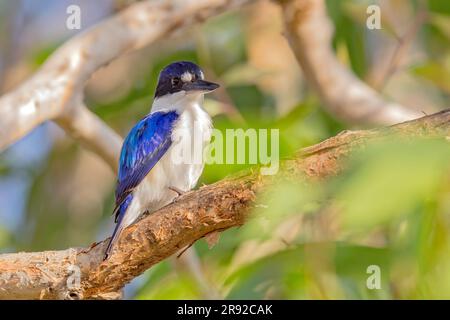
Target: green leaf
(389,180)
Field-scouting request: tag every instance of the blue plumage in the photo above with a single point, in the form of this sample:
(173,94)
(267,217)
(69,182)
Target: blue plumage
(120,211)
(144,145)
(143,186)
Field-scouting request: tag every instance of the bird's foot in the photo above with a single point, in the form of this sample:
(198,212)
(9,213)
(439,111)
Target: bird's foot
(177,190)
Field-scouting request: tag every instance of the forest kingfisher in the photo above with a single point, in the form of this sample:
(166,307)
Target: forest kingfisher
(149,177)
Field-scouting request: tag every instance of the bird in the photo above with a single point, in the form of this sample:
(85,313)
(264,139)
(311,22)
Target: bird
(151,174)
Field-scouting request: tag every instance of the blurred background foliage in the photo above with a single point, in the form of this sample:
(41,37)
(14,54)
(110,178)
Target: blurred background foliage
(390,208)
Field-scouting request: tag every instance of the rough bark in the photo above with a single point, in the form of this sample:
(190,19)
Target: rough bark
(216,207)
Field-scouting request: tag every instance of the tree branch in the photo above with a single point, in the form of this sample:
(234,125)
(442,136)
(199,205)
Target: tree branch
(55,92)
(216,207)
(310,33)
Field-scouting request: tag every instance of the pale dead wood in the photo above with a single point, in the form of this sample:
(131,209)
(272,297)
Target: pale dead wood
(215,207)
(310,31)
(55,91)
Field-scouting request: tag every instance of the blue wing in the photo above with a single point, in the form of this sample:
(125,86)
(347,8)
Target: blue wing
(146,143)
(144,146)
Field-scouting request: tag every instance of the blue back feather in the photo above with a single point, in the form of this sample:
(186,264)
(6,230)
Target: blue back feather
(145,144)
(143,147)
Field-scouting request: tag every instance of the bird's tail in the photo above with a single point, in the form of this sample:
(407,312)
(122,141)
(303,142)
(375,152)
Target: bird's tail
(121,211)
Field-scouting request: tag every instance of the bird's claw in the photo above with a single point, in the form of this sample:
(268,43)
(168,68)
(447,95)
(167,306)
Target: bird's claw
(178,191)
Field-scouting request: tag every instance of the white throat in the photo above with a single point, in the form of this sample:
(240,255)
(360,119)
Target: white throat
(178,101)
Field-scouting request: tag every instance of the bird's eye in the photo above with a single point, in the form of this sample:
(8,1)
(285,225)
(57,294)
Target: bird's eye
(176,81)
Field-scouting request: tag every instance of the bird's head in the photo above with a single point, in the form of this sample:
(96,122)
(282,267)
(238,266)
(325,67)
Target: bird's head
(183,77)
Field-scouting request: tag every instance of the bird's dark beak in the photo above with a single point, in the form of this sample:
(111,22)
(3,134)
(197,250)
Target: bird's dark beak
(201,85)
